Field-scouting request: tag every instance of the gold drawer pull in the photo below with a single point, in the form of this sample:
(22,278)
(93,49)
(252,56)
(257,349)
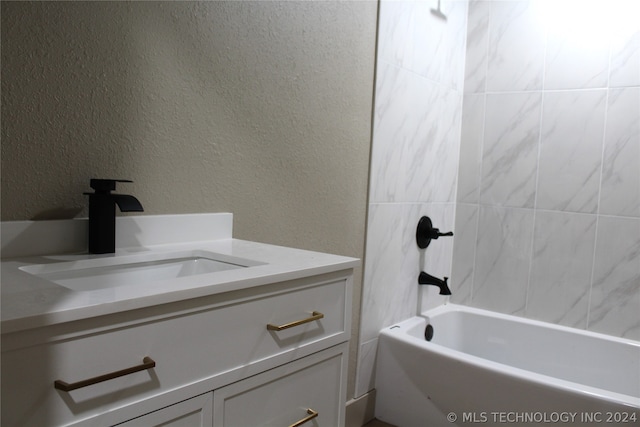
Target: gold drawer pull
(312,415)
(147,363)
(316,315)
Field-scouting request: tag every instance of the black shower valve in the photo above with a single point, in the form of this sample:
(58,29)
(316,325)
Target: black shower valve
(427,232)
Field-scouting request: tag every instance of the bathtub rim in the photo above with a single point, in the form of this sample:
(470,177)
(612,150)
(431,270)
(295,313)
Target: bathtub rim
(400,331)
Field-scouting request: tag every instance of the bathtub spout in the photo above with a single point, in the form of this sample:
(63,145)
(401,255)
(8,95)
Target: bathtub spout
(427,279)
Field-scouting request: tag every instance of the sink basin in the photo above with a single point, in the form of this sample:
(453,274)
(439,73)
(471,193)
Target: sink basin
(101,273)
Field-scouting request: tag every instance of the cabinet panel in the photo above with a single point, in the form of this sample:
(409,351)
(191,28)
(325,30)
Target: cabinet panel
(288,394)
(195,412)
(187,348)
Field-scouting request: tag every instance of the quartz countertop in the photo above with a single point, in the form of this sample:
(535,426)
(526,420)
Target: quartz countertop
(30,301)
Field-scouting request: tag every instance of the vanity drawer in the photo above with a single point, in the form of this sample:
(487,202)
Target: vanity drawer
(194,412)
(202,347)
(307,392)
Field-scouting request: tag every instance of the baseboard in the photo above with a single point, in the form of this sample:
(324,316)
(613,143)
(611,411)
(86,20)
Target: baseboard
(360,410)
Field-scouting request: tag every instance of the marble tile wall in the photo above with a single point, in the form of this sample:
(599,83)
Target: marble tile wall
(414,163)
(548,200)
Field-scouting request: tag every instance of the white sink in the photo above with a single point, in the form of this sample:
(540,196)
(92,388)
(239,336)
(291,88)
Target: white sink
(101,273)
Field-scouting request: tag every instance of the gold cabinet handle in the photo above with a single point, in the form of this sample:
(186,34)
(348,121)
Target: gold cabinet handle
(316,315)
(147,363)
(312,415)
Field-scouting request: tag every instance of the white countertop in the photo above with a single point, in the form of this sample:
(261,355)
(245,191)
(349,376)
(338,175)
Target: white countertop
(29,301)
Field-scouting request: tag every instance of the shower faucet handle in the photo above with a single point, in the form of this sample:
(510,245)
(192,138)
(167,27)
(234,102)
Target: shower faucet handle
(427,232)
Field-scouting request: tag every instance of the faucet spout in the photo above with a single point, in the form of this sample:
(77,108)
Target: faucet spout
(102,214)
(127,203)
(427,279)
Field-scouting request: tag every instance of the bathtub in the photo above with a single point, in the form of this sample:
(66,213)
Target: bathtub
(487,368)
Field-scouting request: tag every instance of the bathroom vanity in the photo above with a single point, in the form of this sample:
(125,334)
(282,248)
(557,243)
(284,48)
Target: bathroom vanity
(161,336)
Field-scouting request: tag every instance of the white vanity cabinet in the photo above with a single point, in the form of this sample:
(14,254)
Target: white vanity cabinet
(262,355)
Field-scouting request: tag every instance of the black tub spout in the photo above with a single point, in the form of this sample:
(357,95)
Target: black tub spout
(427,279)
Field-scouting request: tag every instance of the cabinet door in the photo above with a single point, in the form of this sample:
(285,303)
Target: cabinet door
(195,412)
(309,392)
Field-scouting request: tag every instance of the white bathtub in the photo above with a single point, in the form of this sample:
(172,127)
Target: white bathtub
(487,368)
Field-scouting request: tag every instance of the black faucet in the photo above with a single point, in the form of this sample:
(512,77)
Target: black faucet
(102,214)
(427,279)
(427,232)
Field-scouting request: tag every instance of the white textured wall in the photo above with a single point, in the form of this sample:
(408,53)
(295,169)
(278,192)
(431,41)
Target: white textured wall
(262,109)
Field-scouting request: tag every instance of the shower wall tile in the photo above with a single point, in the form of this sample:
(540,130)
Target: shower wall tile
(398,120)
(551,132)
(573,64)
(621,173)
(395,28)
(560,279)
(464,251)
(456,34)
(477,45)
(615,299)
(516,47)
(571,150)
(411,262)
(386,156)
(510,149)
(503,254)
(471,148)
(451,121)
(431,158)
(387,297)
(429,43)
(416,139)
(436,46)
(412,37)
(432,162)
(625,62)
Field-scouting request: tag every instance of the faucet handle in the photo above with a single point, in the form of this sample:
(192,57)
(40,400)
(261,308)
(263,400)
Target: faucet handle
(105,185)
(426,232)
